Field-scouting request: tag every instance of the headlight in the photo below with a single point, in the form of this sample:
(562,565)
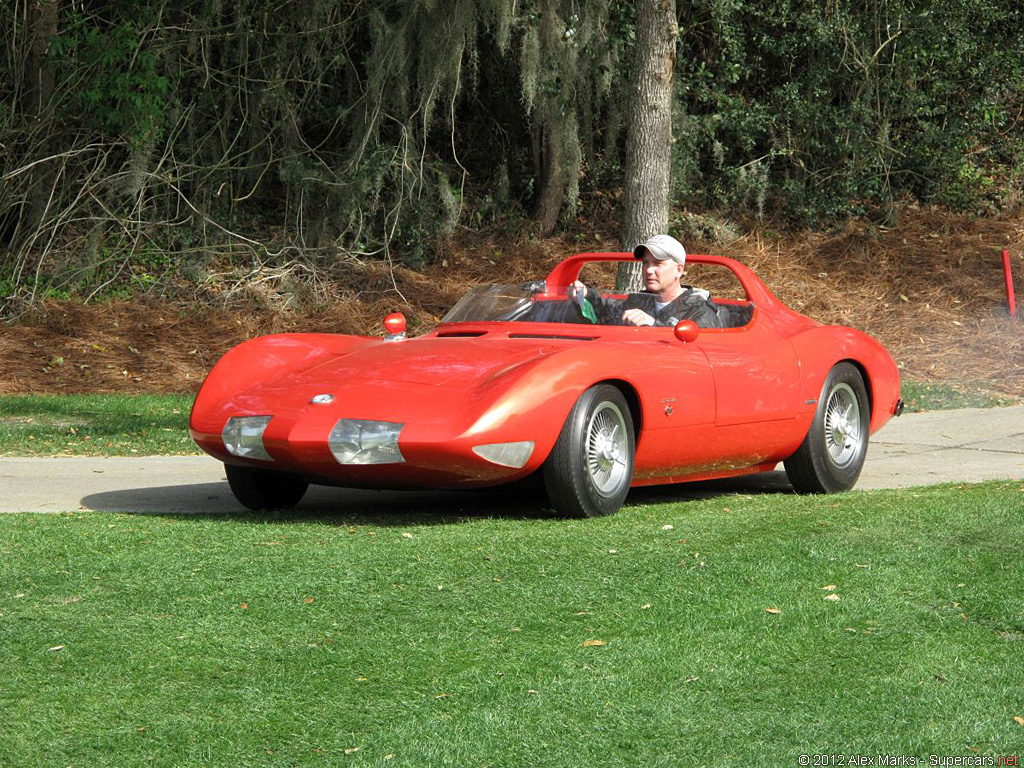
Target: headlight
(354,441)
(506,454)
(243,436)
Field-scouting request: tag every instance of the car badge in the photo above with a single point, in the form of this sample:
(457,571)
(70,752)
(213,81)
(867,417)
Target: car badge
(321,399)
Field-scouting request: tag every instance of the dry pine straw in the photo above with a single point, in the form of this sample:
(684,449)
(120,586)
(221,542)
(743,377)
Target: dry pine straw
(931,289)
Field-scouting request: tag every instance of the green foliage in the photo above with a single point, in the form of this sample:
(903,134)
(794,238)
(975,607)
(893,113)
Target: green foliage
(112,78)
(850,105)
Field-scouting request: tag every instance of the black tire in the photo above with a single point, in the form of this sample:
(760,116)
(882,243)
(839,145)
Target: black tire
(832,455)
(590,468)
(260,489)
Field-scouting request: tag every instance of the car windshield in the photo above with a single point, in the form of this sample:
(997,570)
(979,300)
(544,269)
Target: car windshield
(497,303)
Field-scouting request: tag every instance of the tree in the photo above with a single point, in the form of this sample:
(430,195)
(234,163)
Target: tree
(38,88)
(570,85)
(649,143)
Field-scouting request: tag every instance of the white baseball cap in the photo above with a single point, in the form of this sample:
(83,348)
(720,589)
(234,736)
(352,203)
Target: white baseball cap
(662,247)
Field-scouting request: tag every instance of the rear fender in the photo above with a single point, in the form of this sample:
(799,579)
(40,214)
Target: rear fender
(821,348)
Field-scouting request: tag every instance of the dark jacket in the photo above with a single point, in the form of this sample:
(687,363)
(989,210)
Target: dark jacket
(689,305)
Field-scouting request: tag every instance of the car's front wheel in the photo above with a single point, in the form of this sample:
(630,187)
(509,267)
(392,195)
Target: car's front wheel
(260,489)
(589,470)
(832,455)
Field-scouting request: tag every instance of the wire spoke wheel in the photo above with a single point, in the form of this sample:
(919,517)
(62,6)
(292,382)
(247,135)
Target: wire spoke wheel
(832,454)
(590,467)
(606,447)
(842,425)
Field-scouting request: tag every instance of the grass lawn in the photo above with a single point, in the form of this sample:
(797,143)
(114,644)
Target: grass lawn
(752,630)
(919,396)
(95,425)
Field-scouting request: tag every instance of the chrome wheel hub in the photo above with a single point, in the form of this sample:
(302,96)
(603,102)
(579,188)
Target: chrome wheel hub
(606,446)
(843,425)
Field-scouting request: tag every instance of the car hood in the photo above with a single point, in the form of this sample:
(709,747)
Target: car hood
(429,360)
(427,379)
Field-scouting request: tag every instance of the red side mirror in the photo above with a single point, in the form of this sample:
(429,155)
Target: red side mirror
(394,324)
(686,331)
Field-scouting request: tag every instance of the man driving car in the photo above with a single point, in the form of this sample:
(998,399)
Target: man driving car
(664,300)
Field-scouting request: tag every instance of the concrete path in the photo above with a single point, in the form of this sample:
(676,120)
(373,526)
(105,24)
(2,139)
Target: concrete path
(917,449)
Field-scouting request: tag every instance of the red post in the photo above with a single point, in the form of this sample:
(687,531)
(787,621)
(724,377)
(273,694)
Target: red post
(1011,302)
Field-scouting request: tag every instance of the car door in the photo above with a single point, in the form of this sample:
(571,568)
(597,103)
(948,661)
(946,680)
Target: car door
(757,393)
(676,390)
(756,369)
(756,372)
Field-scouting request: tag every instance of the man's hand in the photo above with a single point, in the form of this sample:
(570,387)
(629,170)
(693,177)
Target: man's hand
(637,317)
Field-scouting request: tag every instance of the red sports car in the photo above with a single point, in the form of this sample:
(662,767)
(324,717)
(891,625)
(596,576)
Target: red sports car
(523,379)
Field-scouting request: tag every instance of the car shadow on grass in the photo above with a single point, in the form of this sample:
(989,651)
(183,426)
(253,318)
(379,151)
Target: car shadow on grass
(774,482)
(327,505)
(344,506)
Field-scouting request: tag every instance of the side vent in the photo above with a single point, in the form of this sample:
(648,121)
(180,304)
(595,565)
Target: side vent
(555,336)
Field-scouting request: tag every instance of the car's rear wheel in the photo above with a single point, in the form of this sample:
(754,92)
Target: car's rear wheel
(260,489)
(590,468)
(832,455)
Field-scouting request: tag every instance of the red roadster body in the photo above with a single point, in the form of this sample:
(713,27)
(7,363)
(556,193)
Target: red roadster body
(518,380)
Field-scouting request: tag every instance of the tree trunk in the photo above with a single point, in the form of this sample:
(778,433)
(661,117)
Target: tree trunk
(553,191)
(552,178)
(39,75)
(649,143)
(39,82)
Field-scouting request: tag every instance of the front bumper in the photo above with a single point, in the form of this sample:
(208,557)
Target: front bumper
(432,457)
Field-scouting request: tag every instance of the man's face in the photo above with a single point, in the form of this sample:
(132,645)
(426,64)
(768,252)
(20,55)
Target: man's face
(661,277)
